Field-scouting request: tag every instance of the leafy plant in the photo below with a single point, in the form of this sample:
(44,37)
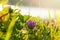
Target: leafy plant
(15,26)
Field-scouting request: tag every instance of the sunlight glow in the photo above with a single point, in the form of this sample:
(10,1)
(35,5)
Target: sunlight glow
(42,12)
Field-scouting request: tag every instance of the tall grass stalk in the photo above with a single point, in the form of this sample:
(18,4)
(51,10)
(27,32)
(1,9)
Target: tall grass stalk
(10,29)
(50,23)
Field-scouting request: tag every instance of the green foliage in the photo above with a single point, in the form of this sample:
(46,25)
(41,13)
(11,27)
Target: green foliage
(13,27)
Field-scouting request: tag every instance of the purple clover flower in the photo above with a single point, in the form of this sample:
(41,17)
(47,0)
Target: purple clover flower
(31,24)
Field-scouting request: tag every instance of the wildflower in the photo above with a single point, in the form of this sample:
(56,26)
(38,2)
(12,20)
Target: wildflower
(53,22)
(31,24)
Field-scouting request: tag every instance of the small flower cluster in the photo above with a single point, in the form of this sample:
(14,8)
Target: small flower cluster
(53,22)
(31,23)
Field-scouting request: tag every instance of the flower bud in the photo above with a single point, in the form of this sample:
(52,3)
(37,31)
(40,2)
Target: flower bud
(31,24)
(10,10)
